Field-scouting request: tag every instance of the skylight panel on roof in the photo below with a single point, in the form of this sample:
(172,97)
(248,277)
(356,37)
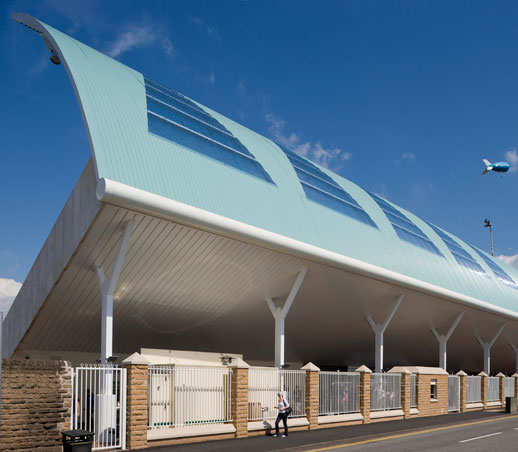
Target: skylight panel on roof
(322,189)
(460,254)
(500,274)
(176,118)
(404,227)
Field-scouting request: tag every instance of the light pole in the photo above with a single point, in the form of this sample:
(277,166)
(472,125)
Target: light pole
(487,224)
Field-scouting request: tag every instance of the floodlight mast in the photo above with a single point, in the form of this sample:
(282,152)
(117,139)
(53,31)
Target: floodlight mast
(487,224)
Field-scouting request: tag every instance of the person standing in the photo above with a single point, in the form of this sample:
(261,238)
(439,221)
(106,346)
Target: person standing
(282,406)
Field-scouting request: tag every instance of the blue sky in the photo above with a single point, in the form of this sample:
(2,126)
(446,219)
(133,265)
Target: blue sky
(403,97)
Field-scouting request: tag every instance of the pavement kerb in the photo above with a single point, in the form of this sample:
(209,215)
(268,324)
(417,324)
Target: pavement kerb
(382,437)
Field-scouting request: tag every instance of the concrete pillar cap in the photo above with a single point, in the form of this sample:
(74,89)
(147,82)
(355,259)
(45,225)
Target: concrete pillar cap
(136,359)
(514,375)
(482,374)
(310,367)
(461,373)
(500,374)
(238,363)
(364,369)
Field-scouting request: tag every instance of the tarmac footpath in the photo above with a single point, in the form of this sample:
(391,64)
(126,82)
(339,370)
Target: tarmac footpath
(329,437)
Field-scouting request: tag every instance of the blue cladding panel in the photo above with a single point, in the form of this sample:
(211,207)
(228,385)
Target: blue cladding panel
(184,107)
(405,229)
(196,125)
(174,117)
(205,147)
(338,205)
(500,274)
(322,189)
(460,254)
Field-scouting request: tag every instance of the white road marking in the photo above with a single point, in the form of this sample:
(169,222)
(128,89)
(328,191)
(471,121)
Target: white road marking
(480,437)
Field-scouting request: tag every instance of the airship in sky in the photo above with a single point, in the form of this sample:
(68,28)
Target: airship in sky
(498,167)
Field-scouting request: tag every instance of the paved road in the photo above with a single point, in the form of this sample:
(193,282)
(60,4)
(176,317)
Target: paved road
(494,435)
(407,440)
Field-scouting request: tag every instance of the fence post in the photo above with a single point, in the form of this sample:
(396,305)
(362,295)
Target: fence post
(501,387)
(137,401)
(365,393)
(462,377)
(483,387)
(405,392)
(312,388)
(239,397)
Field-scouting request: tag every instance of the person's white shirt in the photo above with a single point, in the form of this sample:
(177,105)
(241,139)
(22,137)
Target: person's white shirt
(282,405)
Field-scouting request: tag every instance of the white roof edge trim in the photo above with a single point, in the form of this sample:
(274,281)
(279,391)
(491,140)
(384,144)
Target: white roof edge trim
(52,46)
(116,193)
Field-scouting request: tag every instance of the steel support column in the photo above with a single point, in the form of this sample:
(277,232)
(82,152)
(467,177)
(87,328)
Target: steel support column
(443,340)
(279,314)
(379,330)
(486,346)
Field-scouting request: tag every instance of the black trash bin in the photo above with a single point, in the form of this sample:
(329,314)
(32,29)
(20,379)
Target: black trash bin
(511,405)
(77,440)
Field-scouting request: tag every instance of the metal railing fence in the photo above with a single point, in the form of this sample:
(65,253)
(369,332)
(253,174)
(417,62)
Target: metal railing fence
(180,396)
(385,391)
(338,393)
(263,386)
(453,393)
(99,404)
(473,389)
(413,391)
(509,383)
(493,389)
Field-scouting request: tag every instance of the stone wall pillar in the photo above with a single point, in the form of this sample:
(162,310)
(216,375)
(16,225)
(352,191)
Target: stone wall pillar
(501,387)
(36,404)
(137,401)
(483,385)
(239,397)
(312,388)
(365,393)
(462,376)
(405,392)
(515,376)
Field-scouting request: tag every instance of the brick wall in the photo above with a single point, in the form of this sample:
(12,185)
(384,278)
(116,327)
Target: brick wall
(425,404)
(137,406)
(239,401)
(36,404)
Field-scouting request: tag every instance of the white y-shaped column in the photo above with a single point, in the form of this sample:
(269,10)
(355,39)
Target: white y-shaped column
(443,340)
(280,313)
(515,349)
(486,346)
(379,330)
(108,286)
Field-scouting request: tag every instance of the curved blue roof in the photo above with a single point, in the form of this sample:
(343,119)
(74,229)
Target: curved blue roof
(146,135)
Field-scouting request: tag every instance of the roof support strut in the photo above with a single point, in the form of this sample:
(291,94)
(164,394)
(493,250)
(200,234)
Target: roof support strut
(108,286)
(515,350)
(379,330)
(486,346)
(443,340)
(280,313)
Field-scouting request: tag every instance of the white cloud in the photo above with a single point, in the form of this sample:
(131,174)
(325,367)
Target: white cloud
(332,158)
(9,288)
(510,260)
(512,158)
(137,36)
(211,32)
(408,156)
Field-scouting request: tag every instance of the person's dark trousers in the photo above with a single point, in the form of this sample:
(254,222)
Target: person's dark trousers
(284,418)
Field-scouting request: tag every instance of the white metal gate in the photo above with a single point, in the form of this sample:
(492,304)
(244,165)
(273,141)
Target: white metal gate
(99,404)
(453,393)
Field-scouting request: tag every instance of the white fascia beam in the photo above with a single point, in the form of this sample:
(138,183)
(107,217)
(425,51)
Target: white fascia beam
(443,340)
(279,315)
(108,287)
(122,195)
(379,330)
(486,346)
